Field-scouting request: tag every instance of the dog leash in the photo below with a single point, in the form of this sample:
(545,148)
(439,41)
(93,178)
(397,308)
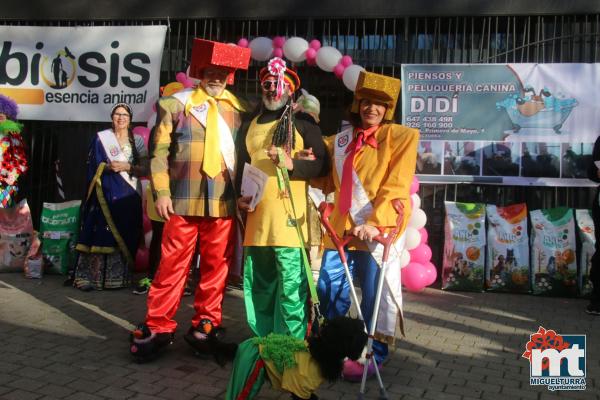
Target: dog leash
(283,180)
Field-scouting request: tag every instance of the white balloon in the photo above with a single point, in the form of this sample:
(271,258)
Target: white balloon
(350,77)
(328,57)
(295,48)
(413,238)
(416,201)
(262,48)
(404,258)
(418,219)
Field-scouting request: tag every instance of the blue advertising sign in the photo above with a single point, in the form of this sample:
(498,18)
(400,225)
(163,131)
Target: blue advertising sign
(518,124)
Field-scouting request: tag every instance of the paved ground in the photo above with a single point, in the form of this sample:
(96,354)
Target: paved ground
(60,343)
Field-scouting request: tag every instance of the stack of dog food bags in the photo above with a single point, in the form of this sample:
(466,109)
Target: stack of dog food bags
(585,227)
(464,247)
(507,249)
(16,232)
(59,229)
(553,261)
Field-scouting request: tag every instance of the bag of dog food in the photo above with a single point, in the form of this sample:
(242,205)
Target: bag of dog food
(507,267)
(585,227)
(59,229)
(464,246)
(16,231)
(553,261)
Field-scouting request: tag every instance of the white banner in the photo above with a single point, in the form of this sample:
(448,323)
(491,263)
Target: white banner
(79,73)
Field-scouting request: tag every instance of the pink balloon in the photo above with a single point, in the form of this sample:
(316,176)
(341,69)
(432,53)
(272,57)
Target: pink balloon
(141,259)
(414,186)
(278,42)
(311,62)
(311,54)
(424,235)
(420,254)
(143,132)
(278,52)
(180,77)
(414,277)
(430,273)
(346,61)
(243,42)
(338,70)
(314,44)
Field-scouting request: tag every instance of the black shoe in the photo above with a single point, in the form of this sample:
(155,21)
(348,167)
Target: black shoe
(593,309)
(145,345)
(208,340)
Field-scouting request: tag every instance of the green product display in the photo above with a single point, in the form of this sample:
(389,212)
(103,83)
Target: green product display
(59,229)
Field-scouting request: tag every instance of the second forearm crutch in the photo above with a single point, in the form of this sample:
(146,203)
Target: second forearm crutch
(386,239)
(325,210)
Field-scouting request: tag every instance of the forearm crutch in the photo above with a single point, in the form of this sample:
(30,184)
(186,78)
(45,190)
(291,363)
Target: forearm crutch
(325,210)
(386,239)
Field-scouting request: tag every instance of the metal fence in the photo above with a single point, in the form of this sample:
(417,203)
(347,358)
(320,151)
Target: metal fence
(380,45)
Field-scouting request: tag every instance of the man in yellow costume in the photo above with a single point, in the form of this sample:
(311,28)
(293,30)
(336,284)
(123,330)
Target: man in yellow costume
(373,163)
(275,281)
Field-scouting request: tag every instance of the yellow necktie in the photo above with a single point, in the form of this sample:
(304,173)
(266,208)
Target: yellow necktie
(211,163)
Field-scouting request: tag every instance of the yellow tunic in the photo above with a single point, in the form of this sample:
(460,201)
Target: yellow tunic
(386,174)
(302,380)
(270,224)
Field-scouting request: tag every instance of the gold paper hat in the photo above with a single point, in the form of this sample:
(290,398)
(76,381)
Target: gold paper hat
(376,87)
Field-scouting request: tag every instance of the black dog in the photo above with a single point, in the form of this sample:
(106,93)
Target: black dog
(337,339)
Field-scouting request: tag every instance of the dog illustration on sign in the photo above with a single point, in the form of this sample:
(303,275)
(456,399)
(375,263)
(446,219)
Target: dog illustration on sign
(541,111)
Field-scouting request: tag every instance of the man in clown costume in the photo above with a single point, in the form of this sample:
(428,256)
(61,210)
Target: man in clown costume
(192,170)
(275,278)
(374,163)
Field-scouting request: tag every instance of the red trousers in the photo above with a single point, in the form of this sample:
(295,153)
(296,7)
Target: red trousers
(179,239)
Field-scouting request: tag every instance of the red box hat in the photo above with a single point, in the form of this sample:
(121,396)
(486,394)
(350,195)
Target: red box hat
(206,53)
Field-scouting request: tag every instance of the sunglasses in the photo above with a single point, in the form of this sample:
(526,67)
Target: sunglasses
(272,85)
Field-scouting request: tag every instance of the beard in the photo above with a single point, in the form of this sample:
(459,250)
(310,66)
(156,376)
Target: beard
(273,104)
(214,90)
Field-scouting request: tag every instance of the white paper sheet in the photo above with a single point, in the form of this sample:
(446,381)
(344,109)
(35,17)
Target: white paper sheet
(253,184)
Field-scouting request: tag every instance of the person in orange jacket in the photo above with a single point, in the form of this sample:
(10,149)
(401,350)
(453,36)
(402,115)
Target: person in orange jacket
(374,163)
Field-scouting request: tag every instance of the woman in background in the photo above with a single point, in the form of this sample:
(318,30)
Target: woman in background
(111,218)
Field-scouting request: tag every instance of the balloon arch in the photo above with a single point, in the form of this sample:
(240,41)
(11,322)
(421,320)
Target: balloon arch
(415,261)
(297,50)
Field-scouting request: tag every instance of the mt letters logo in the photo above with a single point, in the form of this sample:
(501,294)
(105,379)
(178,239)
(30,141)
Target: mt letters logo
(557,361)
